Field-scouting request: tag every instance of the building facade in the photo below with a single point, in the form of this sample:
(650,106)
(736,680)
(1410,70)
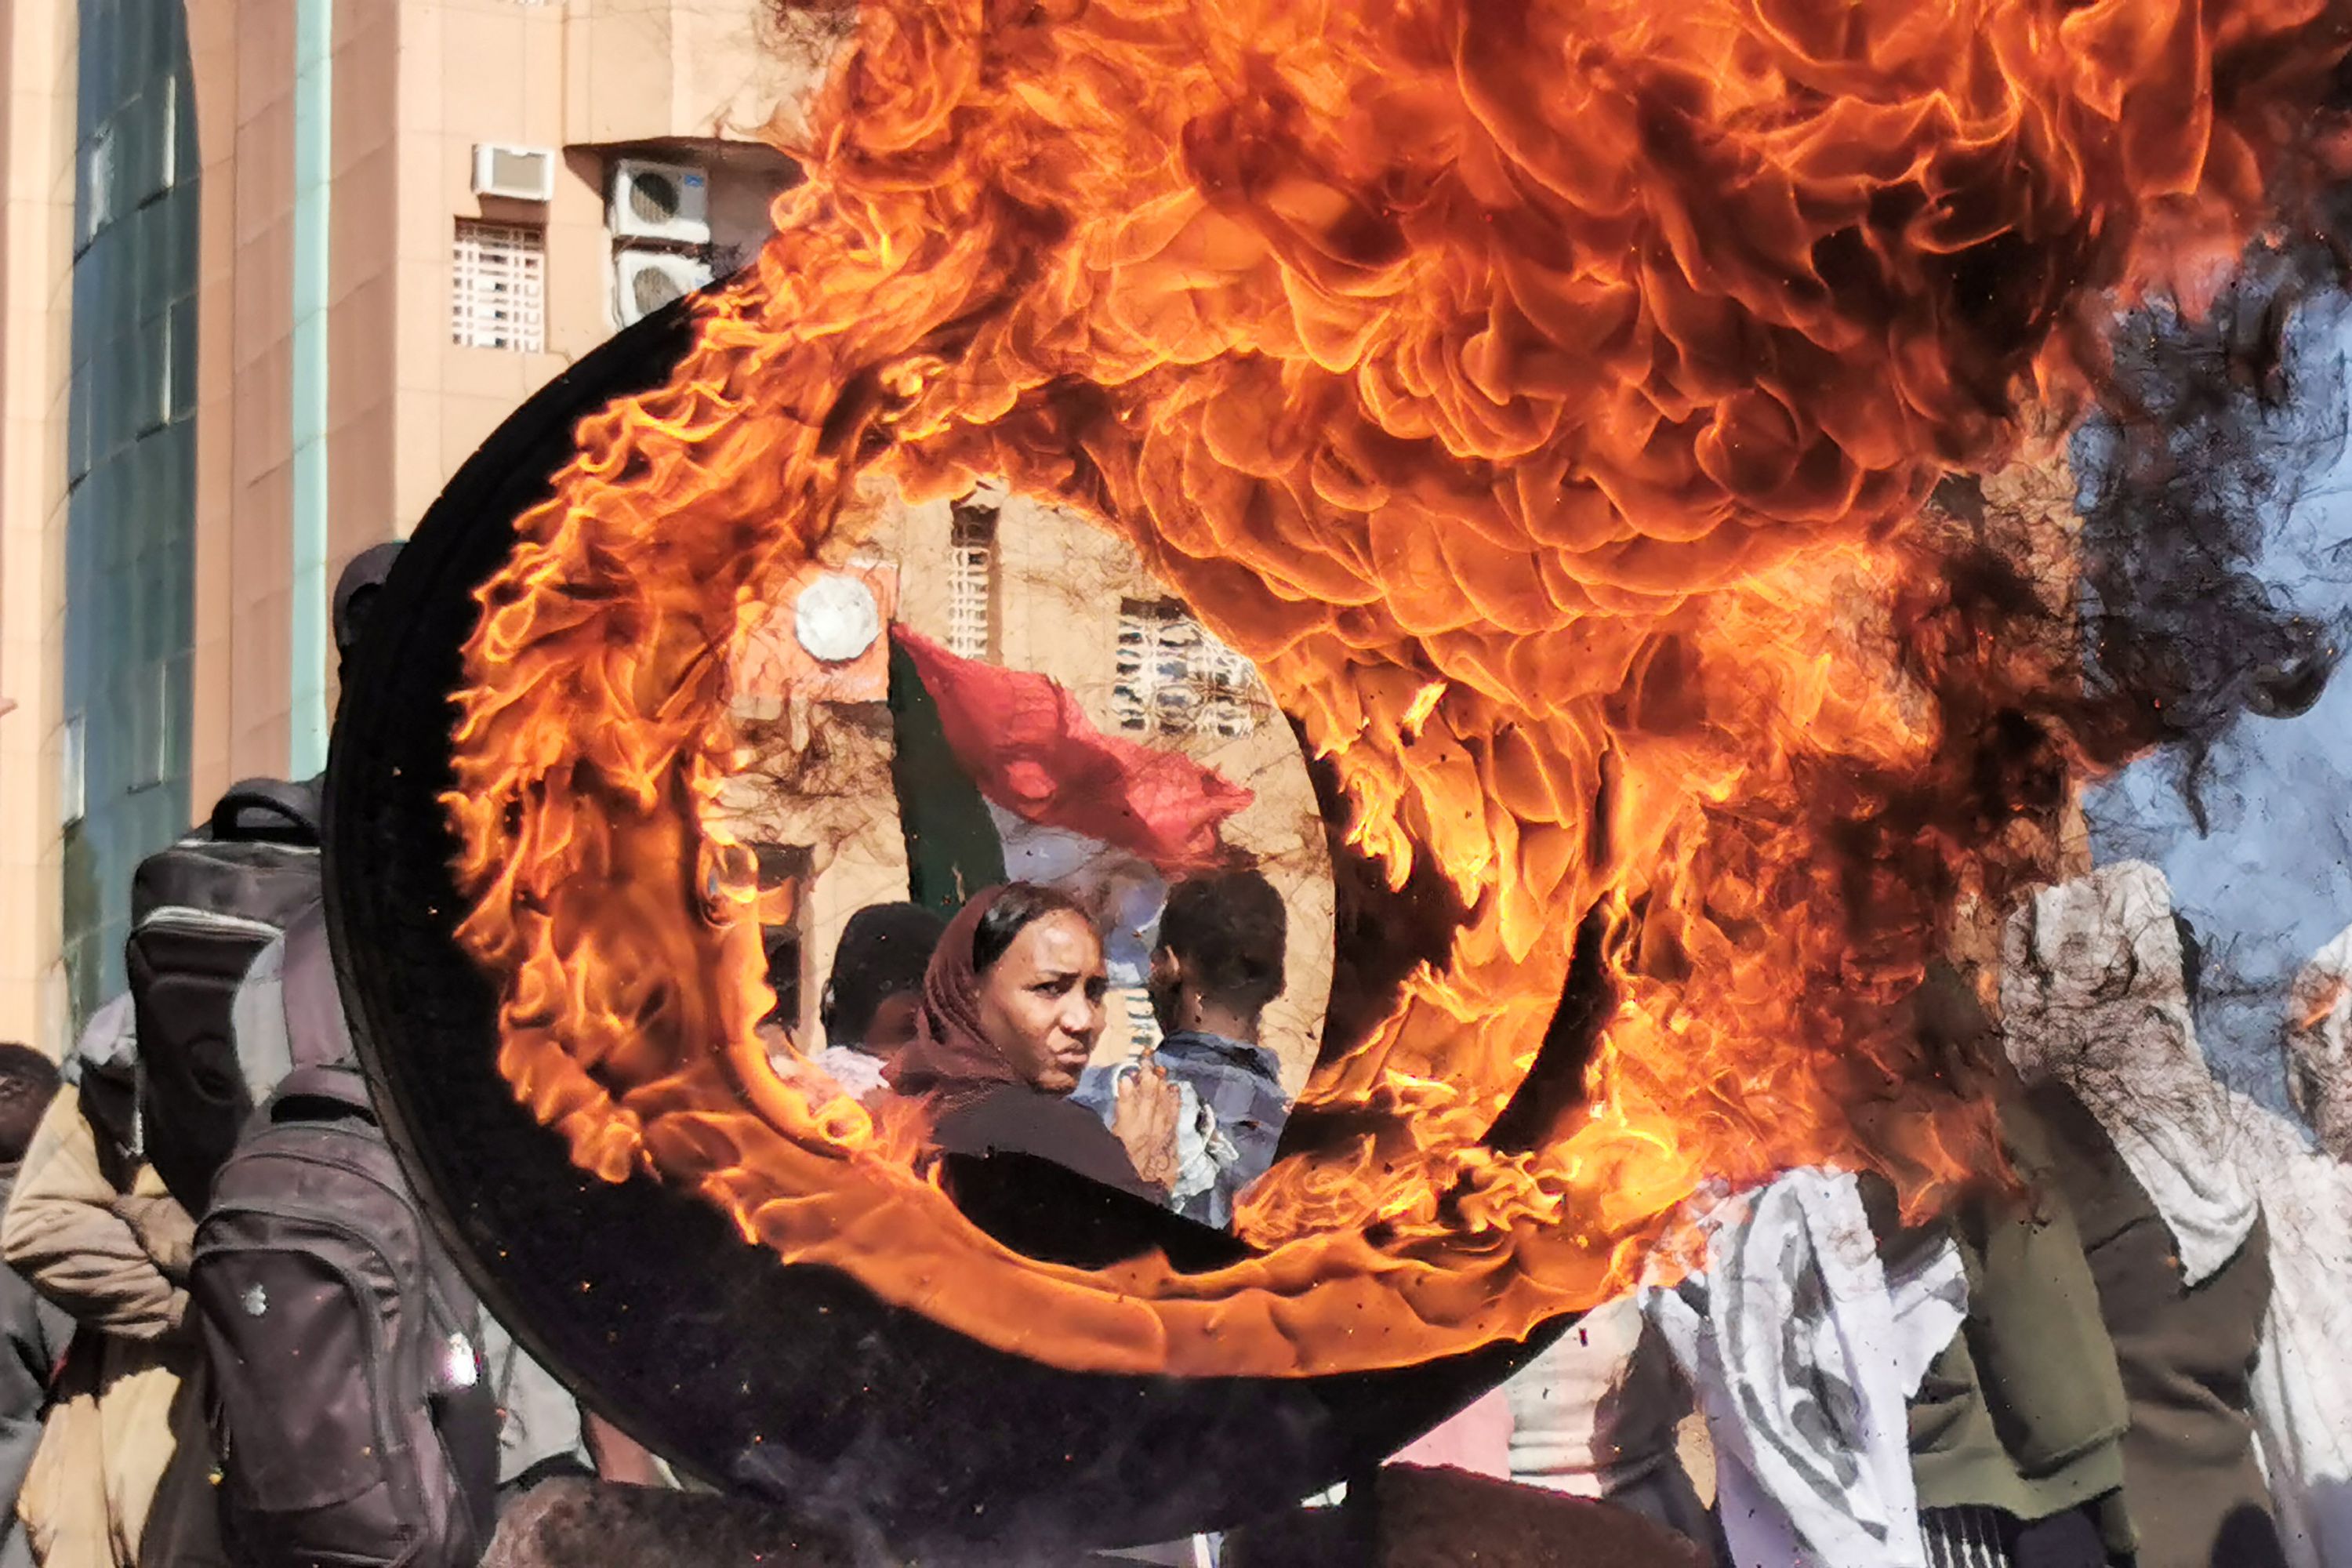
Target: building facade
(273,272)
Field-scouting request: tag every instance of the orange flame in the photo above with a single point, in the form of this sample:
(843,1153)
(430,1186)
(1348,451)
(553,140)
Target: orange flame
(1543,393)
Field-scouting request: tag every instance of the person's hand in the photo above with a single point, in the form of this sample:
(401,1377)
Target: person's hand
(1144,1117)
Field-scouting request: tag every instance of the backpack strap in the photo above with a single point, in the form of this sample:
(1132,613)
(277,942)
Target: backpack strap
(339,1085)
(316,1034)
(286,810)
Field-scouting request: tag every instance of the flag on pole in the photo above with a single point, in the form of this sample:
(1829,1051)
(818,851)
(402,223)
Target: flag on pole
(1000,776)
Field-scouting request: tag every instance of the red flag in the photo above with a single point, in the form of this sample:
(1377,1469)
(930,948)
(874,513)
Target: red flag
(1030,749)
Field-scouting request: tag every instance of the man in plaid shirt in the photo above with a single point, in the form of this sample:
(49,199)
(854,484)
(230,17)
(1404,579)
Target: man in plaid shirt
(1218,962)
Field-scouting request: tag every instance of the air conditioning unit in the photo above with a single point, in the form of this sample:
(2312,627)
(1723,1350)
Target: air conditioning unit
(517,174)
(660,200)
(645,281)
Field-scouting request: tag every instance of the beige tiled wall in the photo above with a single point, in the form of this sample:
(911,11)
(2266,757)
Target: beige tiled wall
(655,71)
(495,76)
(36,146)
(242,60)
(363,308)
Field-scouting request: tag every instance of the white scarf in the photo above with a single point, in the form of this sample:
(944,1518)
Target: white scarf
(1805,1351)
(2302,1383)
(2092,995)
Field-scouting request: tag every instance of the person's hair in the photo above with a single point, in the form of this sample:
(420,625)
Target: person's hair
(28,1081)
(355,594)
(1019,906)
(1229,930)
(884,951)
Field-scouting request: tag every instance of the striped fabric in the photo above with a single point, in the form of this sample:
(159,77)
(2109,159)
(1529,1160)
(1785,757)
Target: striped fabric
(1964,1537)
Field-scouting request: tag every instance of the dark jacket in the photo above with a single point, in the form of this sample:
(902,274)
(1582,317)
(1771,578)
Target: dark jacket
(36,1334)
(2025,1411)
(1014,1118)
(2192,1481)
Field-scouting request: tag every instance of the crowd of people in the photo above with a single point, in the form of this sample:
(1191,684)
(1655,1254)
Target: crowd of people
(2135,1355)
(2132,1355)
(122,1441)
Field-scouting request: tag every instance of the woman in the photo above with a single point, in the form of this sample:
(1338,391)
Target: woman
(1012,1005)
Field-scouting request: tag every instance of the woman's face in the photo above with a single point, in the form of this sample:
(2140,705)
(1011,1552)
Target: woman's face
(1042,1003)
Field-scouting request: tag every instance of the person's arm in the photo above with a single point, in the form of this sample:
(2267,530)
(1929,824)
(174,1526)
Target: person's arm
(66,1231)
(618,1459)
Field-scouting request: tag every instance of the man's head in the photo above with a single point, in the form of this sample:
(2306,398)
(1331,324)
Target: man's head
(877,976)
(355,595)
(28,1081)
(1219,958)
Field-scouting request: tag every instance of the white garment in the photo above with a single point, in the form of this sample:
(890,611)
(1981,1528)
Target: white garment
(2092,994)
(1596,1410)
(2301,1381)
(1804,1351)
(2091,985)
(859,1074)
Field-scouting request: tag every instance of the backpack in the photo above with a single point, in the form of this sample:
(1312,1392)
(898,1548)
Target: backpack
(354,1423)
(200,912)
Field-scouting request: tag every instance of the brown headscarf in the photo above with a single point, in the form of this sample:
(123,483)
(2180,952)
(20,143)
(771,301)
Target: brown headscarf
(950,1062)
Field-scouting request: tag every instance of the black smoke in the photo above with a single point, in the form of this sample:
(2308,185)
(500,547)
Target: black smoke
(2209,432)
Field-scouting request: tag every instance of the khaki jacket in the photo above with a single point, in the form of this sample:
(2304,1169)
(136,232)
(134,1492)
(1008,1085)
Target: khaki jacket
(117,1262)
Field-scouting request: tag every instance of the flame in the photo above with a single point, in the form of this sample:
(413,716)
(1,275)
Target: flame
(1544,394)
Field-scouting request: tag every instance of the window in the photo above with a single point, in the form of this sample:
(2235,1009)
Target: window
(96,183)
(497,286)
(156,396)
(785,872)
(169,131)
(73,760)
(972,584)
(1175,678)
(150,696)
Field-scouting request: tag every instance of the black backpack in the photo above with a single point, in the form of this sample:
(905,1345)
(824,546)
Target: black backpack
(354,1421)
(200,912)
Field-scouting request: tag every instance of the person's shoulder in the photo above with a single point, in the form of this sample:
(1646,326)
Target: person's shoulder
(1018,1105)
(1197,1051)
(1018,1120)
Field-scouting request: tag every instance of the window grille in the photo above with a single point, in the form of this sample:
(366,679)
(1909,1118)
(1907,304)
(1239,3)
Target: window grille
(971,582)
(1142,1029)
(497,286)
(1174,678)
